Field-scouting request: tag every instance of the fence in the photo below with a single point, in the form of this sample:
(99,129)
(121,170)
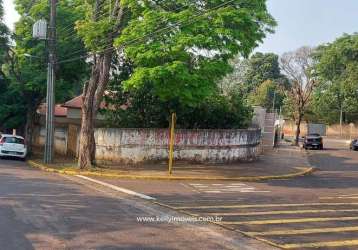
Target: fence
(331,130)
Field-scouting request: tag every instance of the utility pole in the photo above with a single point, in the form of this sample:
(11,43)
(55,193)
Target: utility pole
(341,120)
(49,143)
(273,102)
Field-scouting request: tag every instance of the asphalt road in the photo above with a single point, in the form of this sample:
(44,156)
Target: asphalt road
(318,211)
(40,210)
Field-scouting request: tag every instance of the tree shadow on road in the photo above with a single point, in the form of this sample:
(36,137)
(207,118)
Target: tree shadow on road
(47,211)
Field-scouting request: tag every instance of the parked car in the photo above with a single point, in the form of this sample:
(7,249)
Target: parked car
(313,141)
(12,145)
(354,145)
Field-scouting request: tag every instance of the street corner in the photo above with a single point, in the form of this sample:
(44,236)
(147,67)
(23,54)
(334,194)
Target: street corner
(181,174)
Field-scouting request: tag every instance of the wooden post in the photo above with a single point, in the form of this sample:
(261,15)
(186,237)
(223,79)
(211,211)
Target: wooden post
(171,144)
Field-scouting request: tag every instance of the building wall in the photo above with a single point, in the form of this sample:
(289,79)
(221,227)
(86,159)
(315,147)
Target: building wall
(74,113)
(131,146)
(60,139)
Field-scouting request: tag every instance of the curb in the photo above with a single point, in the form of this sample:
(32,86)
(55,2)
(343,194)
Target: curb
(303,172)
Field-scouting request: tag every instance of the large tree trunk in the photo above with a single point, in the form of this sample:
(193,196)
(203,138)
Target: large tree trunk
(92,97)
(29,128)
(298,129)
(94,90)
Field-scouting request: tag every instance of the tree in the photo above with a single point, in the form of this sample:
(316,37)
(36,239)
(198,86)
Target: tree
(141,108)
(6,110)
(181,47)
(298,67)
(249,74)
(337,69)
(267,95)
(235,80)
(27,75)
(262,67)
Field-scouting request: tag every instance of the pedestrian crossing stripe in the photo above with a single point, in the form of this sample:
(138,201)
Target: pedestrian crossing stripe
(267,205)
(281,212)
(341,243)
(225,188)
(338,197)
(286,221)
(304,231)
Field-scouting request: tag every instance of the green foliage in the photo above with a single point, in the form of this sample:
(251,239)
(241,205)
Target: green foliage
(141,108)
(182,48)
(178,51)
(337,70)
(249,74)
(8,111)
(27,76)
(267,93)
(263,67)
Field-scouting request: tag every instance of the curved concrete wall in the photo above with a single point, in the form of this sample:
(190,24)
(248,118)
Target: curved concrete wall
(131,146)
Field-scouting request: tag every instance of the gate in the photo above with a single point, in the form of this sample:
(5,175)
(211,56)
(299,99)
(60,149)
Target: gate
(72,140)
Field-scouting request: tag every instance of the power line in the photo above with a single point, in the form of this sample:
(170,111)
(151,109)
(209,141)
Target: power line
(155,32)
(74,32)
(152,33)
(70,28)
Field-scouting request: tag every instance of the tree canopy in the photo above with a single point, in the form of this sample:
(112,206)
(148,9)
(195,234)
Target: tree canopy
(262,67)
(183,47)
(26,63)
(337,70)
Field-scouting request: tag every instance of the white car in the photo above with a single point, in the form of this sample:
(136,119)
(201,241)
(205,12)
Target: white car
(12,145)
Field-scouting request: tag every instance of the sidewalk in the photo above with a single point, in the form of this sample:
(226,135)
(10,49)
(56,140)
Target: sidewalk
(284,162)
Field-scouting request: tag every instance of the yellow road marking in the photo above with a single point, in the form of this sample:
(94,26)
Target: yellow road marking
(284,221)
(267,205)
(322,244)
(305,231)
(283,212)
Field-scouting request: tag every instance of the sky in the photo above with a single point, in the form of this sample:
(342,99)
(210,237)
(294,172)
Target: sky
(309,22)
(300,22)
(11,16)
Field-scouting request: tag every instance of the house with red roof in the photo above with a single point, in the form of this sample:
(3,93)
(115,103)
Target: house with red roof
(74,109)
(67,125)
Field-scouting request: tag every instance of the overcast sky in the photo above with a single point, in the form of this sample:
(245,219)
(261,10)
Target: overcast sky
(300,22)
(11,15)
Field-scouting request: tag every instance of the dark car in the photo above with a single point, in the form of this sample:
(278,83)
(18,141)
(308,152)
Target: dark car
(354,145)
(313,141)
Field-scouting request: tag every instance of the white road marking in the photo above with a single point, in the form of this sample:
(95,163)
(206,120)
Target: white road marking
(339,197)
(123,190)
(255,191)
(225,188)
